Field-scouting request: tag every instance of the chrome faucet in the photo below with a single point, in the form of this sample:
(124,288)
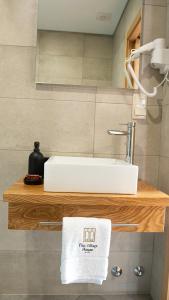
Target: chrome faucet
(130,133)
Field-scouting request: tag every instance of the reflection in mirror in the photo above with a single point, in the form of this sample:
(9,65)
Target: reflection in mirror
(85,42)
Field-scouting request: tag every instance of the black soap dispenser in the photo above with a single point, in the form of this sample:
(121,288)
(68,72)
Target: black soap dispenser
(36,161)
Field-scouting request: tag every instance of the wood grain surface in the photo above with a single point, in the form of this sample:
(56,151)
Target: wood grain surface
(147,195)
(29,205)
(27,216)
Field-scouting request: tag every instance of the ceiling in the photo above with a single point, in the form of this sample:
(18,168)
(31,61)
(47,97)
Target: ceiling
(86,16)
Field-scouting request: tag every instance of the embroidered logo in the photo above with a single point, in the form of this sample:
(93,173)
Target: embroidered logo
(89,235)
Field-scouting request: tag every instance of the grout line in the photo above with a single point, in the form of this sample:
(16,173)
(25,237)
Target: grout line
(94,125)
(156,5)
(71,100)
(140,155)
(160,141)
(47,150)
(20,46)
(152,263)
(165,104)
(158,172)
(45,99)
(109,102)
(83,58)
(56,152)
(74,56)
(164,156)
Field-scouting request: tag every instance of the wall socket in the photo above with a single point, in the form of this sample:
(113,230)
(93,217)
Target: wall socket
(139,109)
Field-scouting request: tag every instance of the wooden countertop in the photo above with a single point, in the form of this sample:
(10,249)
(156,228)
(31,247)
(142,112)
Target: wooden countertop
(147,196)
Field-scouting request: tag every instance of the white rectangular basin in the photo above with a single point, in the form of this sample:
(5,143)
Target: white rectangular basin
(90,175)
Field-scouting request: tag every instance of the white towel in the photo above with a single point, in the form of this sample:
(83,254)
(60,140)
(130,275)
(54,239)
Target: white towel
(85,250)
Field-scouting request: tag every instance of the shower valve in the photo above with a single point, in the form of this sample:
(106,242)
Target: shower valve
(116,271)
(139,271)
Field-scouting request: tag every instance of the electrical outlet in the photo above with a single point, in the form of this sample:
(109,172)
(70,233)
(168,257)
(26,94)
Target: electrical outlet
(139,109)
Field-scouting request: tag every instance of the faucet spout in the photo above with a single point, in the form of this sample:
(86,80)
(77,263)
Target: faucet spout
(131,142)
(130,133)
(117,132)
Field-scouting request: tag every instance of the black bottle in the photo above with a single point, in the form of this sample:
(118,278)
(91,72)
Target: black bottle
(36,161)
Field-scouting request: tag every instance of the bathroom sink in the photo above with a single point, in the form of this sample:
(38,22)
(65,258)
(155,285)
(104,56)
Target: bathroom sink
(90,175)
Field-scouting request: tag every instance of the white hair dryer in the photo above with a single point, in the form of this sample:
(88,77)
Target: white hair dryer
(159,60)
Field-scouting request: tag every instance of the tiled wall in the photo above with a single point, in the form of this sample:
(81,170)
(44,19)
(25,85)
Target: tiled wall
(164,149)
(163,182)
(72,121)
(74,58)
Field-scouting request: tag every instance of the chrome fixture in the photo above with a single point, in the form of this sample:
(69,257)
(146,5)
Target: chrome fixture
(57,223)
(116,271)
(130,133)
(139,271)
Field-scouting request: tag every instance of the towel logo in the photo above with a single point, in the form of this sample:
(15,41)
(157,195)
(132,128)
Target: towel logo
(89,235)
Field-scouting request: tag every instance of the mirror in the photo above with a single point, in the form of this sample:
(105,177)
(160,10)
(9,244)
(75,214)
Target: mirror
(85,42)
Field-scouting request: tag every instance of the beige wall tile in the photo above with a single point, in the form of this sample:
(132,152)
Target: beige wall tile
(97,69)
(61,43)
(148,168)
(164,150)
(96,46)
(13,165)
(167,25)
(158,259)
(128,282)
(97,83)
(18,22)
(65,93)
(164,174)
(165,94)
(158,266)
(114,96)
(60,126)
(148,132)
(59,51)
(110,155)
(59,69)
(154,23)
(17,69)
(109,116)
(19,266)
(156,2)
(34,272)
(124,241)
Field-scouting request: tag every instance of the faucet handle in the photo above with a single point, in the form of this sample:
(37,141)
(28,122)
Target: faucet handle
(130,124)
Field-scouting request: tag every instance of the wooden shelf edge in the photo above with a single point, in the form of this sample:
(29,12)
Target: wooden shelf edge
(147,196)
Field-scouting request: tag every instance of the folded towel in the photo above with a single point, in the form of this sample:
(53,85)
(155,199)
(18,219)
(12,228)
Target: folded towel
(85,250)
